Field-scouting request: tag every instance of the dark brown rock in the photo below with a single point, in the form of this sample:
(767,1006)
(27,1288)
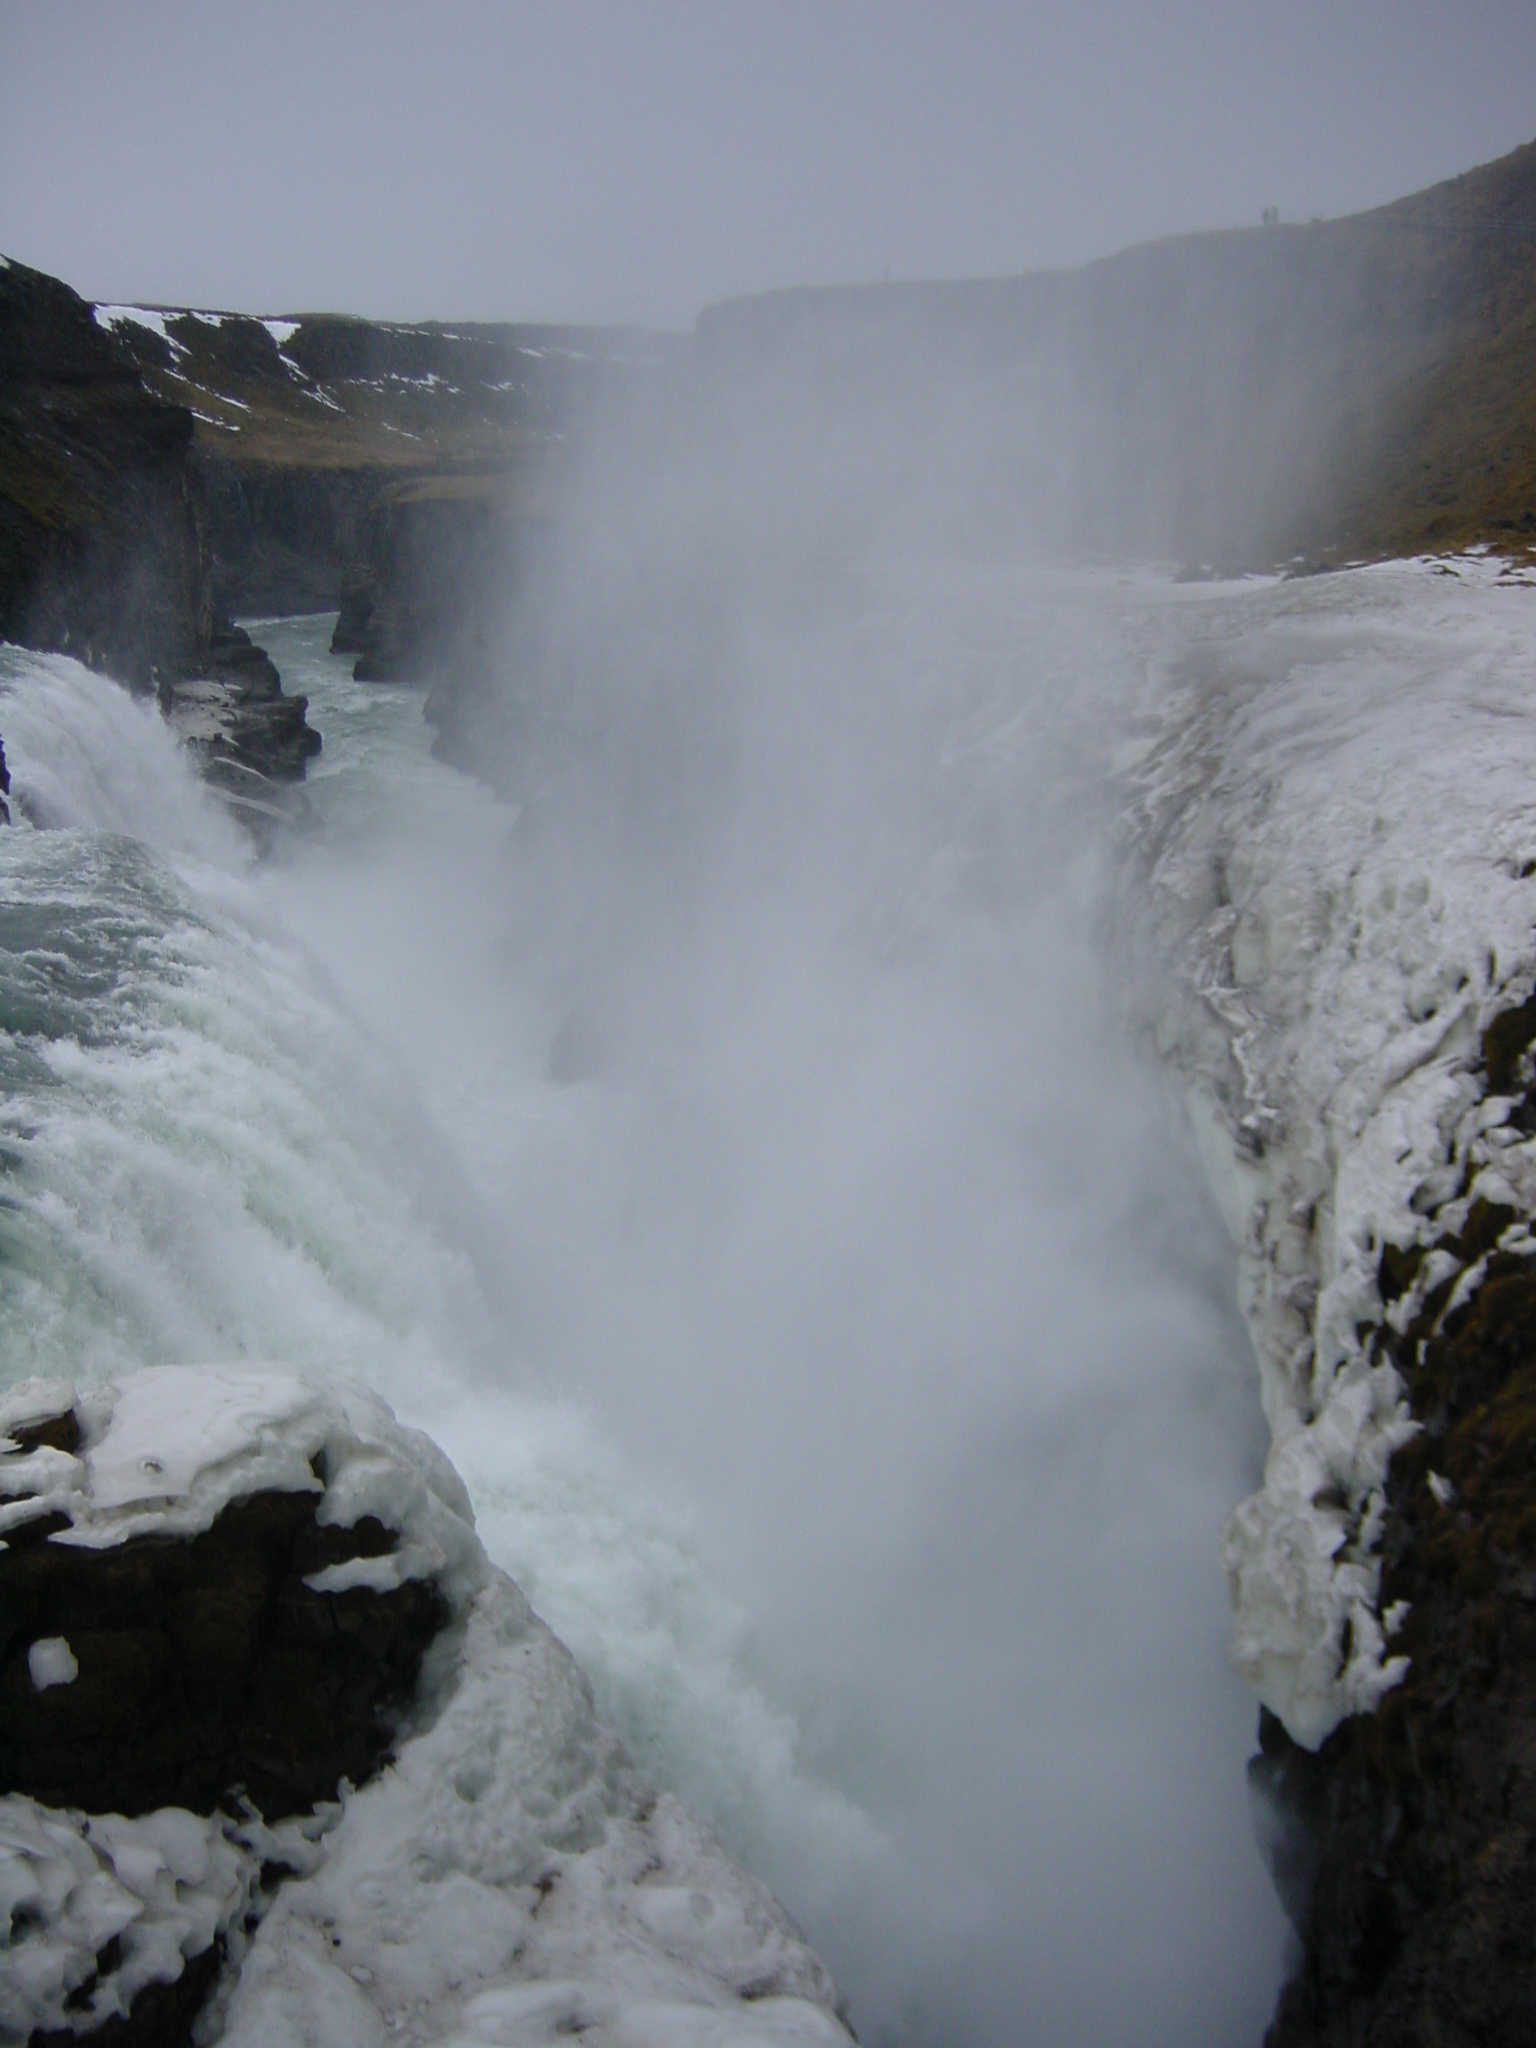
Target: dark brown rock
(207,1668)
(209,1677)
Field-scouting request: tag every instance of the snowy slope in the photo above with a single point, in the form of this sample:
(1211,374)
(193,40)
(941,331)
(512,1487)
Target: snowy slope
(1334,819)
(508,1877)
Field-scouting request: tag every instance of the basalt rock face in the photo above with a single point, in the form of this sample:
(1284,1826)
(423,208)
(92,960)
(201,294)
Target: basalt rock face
(100,553)
(427,591)
(104,550)
(434,597)
(208,1670)
(281,537)
(1406,1851)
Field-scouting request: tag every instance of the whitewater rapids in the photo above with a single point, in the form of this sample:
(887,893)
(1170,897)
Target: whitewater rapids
(816,1287)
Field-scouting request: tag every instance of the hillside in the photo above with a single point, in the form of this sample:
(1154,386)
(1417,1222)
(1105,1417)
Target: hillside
(1332,391)
(300,423)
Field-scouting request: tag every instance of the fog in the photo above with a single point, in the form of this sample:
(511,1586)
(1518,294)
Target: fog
(851,1216)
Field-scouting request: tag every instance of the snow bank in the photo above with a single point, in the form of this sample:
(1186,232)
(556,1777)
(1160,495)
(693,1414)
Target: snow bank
(1335,815)
(506,1878)
(509,1880)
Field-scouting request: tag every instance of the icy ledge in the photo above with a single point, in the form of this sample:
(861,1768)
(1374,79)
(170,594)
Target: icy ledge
(1335,819)
(505,1878)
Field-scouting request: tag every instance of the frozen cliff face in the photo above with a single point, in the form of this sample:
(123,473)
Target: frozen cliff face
(1336,837)
(504,1876)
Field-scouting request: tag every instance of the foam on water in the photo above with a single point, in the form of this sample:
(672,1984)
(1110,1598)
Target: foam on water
(863,1238)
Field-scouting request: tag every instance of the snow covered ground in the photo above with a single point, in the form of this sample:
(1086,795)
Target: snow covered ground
(1334,818)
(507,1878)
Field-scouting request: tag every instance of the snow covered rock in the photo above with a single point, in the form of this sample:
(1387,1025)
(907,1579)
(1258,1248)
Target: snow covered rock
(283,1755)
(1338,852)
(1337,828)
(266,1650)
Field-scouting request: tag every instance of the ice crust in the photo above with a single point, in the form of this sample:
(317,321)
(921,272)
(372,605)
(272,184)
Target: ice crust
(508,1878)
(1335,814)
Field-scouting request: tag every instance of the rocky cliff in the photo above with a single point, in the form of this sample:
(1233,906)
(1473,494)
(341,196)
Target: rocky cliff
(104,549)
(161,469)
(301,425)
(1339,901)
(436,557)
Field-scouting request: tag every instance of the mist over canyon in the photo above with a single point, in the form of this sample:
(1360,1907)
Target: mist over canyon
(902,957)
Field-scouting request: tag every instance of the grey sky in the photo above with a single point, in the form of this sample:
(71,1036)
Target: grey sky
(634,162)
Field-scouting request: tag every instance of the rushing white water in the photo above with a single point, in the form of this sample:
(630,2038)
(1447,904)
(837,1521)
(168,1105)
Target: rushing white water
(819,1299)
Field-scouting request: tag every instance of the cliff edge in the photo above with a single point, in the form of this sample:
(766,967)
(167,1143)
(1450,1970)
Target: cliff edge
(103,537)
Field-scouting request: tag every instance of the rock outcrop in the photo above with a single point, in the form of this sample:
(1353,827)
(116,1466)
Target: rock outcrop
(206,1668)
(103,541)
(282,1756)
(99,547)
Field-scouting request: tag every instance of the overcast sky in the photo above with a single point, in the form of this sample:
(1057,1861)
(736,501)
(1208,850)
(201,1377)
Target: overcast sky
(606,162)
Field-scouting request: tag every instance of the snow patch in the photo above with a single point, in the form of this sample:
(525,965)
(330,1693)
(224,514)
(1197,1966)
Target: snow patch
(282,331)
(164,1887)
(546,1890)
(111,317)
(51,1661)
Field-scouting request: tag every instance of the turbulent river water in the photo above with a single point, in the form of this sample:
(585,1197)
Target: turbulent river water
(817,1294)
